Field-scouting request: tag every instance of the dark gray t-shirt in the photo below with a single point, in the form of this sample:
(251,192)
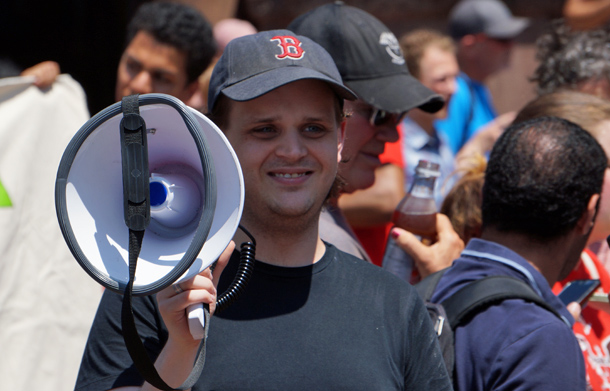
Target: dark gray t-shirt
(339,324)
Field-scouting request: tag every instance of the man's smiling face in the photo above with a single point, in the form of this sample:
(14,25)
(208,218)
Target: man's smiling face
(289,144)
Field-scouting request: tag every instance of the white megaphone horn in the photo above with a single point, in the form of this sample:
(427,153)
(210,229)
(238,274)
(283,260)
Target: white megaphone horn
(187,230)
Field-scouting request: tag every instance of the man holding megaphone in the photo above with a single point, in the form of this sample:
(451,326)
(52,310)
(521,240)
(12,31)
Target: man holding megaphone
(311,317)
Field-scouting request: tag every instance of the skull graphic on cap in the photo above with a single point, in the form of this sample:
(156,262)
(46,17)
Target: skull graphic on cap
(392,47)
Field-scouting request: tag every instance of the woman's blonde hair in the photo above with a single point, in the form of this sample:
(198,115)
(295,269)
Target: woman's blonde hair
(585,110)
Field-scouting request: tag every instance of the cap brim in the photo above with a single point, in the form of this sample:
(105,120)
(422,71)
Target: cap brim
(397,93)
(508,29)
(265,82)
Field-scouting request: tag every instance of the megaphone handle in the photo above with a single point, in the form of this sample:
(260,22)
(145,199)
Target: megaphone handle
(196,320)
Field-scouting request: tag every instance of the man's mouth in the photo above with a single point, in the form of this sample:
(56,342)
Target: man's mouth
(289,175)
(369,155)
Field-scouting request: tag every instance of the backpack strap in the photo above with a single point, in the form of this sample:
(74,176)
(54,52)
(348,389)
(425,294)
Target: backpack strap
(483,293)
(427,286)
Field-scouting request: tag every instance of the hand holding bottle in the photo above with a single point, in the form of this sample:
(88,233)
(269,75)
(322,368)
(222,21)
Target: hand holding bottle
(415,213)
(438,255)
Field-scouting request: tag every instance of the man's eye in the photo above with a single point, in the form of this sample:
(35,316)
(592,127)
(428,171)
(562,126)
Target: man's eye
(133,67)
(314,130)
(264,131)
(162,79)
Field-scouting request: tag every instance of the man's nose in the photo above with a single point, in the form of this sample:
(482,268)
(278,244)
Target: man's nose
(141,83)
(291,146)
(387,132)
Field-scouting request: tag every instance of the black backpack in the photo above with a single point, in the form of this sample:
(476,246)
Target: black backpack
(470,300)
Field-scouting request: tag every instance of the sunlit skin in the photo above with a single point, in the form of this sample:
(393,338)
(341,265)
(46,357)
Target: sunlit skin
(289,143)
(498,53)
(148,66)
(481,56)
(438,70)
(363,145)
(596,86)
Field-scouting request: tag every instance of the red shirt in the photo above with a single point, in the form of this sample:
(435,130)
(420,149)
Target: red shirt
(592,329)
(373,239)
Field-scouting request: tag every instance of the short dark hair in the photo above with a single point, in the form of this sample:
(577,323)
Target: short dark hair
(540,176)
(569,58)
(180,26)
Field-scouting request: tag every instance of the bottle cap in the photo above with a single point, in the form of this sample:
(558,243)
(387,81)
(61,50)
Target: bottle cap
(427,169)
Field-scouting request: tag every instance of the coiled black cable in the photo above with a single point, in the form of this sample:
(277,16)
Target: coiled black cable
(247,256)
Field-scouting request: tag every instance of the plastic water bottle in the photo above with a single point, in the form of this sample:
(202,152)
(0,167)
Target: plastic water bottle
(415,213)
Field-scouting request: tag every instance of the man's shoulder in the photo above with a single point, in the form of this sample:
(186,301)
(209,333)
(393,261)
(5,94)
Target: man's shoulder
(463,90)
(482,260)
(362,270)
(346,259)
(520,318)
(516,342)
(332,231)
(505,332)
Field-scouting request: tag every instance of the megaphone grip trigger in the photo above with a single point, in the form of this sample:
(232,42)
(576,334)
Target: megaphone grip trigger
(196,320)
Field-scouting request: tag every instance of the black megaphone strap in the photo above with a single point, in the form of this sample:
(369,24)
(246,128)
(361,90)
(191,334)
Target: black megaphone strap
(137,215)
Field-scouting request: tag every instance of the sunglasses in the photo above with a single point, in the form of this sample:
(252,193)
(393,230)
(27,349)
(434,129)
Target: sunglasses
(379,117)
(503,41)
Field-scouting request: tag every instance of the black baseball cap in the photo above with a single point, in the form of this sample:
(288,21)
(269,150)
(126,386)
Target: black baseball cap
(368,56)
(256,64)
(491,17)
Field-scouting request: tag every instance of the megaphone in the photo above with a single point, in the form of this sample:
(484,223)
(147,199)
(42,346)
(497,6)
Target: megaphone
(186,152)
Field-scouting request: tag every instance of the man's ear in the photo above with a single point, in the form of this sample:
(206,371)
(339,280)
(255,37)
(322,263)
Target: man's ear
(587,220)
(341,139)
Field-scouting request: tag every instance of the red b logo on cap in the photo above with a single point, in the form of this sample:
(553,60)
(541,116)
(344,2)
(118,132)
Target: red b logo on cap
(291,47)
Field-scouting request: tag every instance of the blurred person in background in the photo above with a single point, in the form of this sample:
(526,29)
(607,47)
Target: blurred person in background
(224,31)
(573,60)
(168,46)
(577,61)
(484,31)
(371,63)
(586,14)
(47,302)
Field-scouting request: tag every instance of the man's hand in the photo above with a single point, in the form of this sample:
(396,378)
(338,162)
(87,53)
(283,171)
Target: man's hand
(198,289)
(437,256)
